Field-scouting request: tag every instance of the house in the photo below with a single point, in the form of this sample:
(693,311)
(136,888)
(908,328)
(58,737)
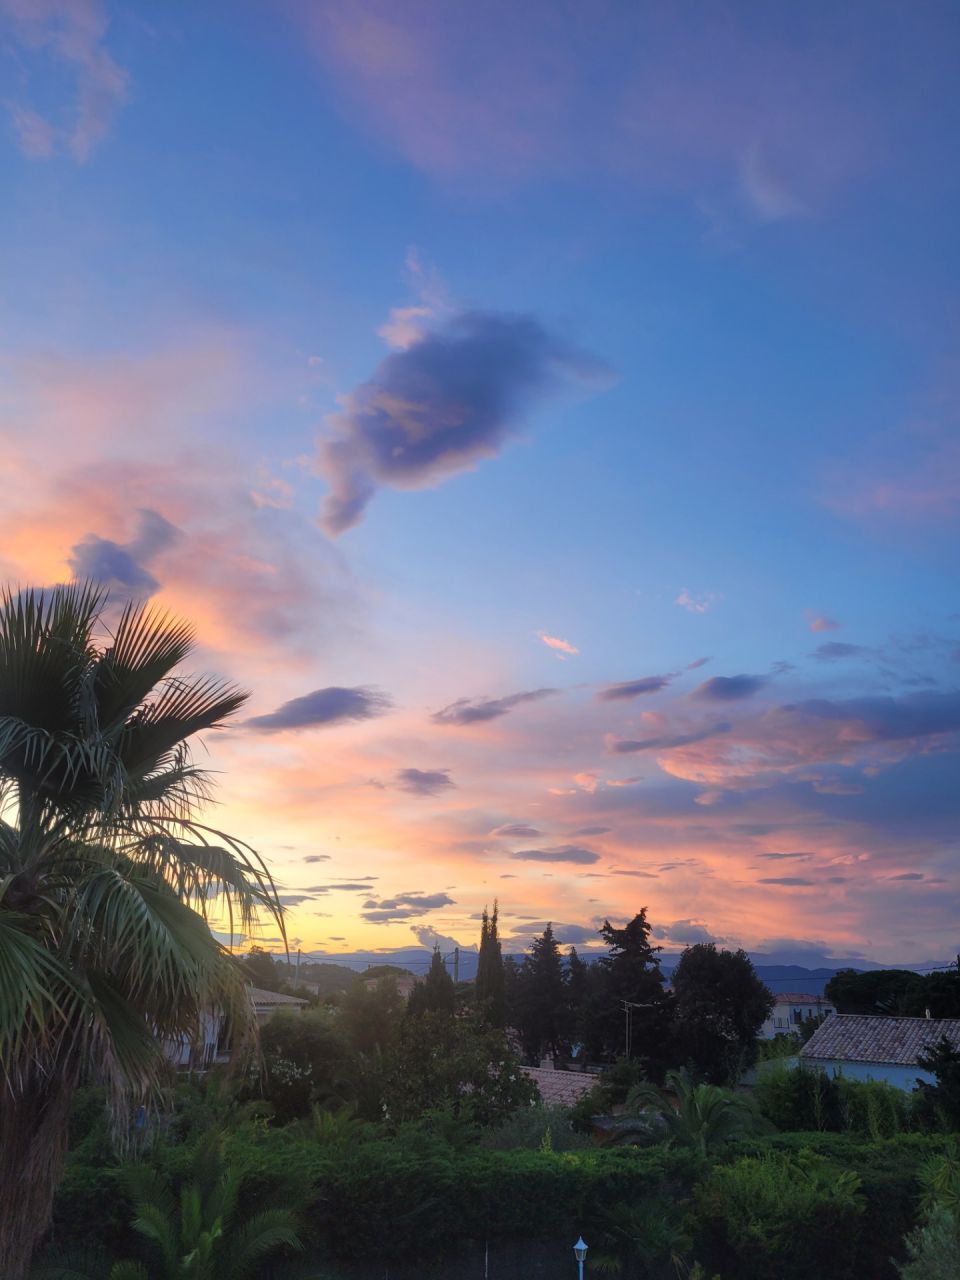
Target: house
(870,1047)
(267,1003)
(404,982)
(791,1010)
(211,1050)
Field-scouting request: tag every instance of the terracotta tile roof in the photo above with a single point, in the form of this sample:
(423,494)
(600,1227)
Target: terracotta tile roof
(261,997)
(855,1037)
(560,1088)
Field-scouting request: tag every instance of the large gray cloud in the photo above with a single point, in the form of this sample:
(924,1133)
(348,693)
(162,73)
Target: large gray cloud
(439,406)
(424,782)
(634,688)
(403,906)
(474,710)
(333,705)
(728,688)
(562,853)
(122,566)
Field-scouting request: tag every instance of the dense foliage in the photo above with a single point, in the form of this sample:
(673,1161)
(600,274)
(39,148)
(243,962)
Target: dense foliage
(106,875)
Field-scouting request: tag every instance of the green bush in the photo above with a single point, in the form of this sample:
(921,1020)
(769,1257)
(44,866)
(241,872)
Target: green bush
(792,1217)
(535,1129)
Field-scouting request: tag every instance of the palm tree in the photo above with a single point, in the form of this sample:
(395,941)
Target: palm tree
(198,1235)
(703,1117)
(106,876)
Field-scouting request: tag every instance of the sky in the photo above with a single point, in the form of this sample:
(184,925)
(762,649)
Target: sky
(549,412)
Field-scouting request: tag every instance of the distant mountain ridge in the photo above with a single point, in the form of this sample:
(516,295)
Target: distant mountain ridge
(779,976)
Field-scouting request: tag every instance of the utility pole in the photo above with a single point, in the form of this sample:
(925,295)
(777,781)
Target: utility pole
(296,981)
(456,964)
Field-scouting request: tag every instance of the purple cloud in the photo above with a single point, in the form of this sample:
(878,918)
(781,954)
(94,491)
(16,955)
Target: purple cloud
(728,688)
(333,705)
(562,853)
(424,782)
(633,688)
(439,406)
(476,710)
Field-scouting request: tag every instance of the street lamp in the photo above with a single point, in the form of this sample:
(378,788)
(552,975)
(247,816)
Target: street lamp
(580,1252)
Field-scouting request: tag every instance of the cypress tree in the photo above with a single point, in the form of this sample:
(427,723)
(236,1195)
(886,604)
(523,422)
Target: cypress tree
(436,993)
(489,984)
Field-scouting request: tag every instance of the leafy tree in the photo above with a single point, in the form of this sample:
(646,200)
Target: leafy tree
(490,982)
(720,1006)
(884,991)
(306,1060)
(436,993)
(370,1016)
(542,999)
(700,1117)
(261,970)
(106,876)
(442,1062)
(629,997)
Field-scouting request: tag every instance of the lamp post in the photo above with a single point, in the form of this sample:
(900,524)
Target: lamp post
(580,1252)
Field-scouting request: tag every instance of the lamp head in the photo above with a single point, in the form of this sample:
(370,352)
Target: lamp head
(580,1250)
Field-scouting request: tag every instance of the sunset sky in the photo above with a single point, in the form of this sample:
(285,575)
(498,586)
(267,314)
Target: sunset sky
(549,411)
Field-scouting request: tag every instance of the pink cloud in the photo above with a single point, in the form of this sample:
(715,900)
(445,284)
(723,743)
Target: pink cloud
(820,622)
(74,33)
(643,95)
(562,647)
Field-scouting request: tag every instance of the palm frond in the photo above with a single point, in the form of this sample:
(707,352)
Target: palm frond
(147,645)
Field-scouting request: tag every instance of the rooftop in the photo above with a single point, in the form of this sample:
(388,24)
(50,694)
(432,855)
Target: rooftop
(560,1088)
(795,997)
(856,1037)
(259,996)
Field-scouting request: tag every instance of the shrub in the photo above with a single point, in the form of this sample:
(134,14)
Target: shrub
(933,1249)
(536,1129)
(792,1217)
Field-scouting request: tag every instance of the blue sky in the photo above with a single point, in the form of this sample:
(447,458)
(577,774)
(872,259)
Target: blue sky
(428,335)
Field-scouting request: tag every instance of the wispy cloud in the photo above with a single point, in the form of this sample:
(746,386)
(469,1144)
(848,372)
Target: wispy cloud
(634,688)
(562,648)
(74,33)
(476,710)
(701,603)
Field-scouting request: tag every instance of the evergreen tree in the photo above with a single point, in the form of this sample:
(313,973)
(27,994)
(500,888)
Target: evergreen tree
(435,994)
(631,1012)
(578,976)
(721,1005)
(489,984)
(543,1005)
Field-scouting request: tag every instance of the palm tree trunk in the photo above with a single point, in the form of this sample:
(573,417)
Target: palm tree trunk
(34,1126)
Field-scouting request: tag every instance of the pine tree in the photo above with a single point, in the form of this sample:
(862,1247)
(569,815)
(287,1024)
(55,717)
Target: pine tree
(435,994)
(489,984)
(632,1012)
(544,1010)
